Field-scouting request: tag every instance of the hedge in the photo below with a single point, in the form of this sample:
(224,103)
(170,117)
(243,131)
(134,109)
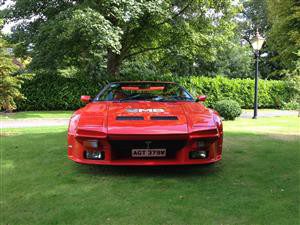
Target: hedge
(53,92)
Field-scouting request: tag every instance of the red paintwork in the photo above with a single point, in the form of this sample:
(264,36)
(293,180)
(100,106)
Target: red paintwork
(97,120)
(85,98)
(202,98)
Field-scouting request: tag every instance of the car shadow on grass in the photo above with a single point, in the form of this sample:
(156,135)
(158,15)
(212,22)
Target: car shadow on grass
(152,171)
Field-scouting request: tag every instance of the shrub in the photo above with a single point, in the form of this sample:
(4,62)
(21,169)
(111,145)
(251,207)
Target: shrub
(228,109)
(293,105)
(55,92)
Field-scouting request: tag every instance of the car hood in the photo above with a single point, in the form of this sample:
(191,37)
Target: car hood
(146,118)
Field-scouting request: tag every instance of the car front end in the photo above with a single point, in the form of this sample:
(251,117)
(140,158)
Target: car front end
(145,133)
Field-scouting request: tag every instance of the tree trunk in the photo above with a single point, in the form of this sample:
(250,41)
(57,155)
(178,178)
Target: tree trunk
(113,63)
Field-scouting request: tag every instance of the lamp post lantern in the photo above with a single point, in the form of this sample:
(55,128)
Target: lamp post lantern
(257,42)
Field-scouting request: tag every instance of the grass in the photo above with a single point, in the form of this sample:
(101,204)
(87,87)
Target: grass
(288,126)
(257,182)
(35,114)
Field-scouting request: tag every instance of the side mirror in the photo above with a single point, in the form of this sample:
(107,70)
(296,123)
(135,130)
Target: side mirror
(201,98)
(85,98)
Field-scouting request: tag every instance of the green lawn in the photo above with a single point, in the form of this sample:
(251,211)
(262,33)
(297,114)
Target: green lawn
(36,114)
(257,182)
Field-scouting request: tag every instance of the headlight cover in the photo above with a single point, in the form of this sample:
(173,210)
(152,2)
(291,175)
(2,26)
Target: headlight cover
(73,124)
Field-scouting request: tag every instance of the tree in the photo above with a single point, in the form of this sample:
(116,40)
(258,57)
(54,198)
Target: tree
(92,35)
(199,52)
(253,17)
(279,22)
(10,85)
(284,35)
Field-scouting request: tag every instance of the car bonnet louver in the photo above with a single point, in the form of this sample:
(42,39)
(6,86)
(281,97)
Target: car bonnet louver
(130,118)
(164,118)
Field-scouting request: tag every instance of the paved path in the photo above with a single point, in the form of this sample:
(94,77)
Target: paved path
(20,123)
(269,113)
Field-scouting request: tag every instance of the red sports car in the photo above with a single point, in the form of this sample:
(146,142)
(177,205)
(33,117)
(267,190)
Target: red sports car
(145,123)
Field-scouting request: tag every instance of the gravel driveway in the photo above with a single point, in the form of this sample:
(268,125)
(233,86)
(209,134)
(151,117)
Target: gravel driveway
(20,123)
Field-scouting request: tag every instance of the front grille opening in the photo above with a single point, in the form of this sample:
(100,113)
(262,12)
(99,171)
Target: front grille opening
(130,118)
(164,118)
(122,149)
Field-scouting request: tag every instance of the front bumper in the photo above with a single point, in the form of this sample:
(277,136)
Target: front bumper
(180,157)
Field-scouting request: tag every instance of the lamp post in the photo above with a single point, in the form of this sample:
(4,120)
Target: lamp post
(257,42)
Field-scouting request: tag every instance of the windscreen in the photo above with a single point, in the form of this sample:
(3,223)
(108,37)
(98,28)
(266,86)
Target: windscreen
(144,92)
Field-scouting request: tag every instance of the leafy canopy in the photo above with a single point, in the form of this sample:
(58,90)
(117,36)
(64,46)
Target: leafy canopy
(94,35)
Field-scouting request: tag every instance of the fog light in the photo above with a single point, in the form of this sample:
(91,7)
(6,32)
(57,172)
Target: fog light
(198,154)
(94,155)
(90,144)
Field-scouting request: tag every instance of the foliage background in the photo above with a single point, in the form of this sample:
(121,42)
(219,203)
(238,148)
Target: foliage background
(53,92)
(10,83)
(73,45)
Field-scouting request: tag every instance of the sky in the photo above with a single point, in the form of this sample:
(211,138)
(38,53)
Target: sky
(3,4)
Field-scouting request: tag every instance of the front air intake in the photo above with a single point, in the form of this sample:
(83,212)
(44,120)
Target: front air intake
(164,118)
(130,118)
